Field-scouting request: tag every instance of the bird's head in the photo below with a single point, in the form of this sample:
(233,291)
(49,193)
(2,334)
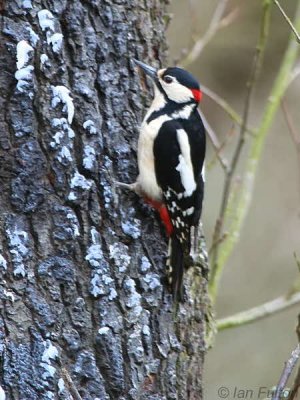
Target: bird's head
(174,83)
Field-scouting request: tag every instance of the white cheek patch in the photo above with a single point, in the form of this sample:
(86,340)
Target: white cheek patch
(177,92)
(185,167)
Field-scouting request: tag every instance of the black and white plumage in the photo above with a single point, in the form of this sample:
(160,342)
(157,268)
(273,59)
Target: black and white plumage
(171,151)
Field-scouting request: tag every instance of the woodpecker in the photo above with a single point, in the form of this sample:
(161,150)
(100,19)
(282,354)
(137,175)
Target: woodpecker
(171,151)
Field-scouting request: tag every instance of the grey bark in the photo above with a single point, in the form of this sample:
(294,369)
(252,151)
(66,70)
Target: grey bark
(84,313)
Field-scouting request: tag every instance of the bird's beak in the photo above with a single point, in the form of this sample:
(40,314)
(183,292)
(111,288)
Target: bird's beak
(150,71)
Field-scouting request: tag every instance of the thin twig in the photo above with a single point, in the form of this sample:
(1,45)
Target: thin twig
(294,75)
(295,388)
(227,138)
(257,313)
(214,141)
(71,386)
(225,106)
(291,128)
(288,369)
(285,16)
(215,272)
(214,26)
(294,134)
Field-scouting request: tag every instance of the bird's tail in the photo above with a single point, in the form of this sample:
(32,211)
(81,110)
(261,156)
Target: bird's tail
(175,267)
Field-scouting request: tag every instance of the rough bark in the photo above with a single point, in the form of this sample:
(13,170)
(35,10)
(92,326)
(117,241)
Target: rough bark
(84,313)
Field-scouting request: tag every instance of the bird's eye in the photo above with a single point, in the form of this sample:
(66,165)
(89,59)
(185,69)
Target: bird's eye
(168,79)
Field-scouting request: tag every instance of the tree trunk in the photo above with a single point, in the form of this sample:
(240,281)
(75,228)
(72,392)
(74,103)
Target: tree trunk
(84,311)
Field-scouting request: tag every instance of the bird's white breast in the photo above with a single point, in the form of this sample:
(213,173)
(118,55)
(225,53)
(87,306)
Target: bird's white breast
(147,178)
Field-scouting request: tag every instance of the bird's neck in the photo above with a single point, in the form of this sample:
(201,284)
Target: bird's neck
(162,106)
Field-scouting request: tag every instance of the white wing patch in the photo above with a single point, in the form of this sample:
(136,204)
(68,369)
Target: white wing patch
(185,167)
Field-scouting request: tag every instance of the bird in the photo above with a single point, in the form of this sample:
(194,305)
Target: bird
(170,154)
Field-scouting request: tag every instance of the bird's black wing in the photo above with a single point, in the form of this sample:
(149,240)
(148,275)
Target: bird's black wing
(179,150)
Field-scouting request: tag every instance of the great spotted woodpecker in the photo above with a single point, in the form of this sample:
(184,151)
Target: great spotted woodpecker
(171,151)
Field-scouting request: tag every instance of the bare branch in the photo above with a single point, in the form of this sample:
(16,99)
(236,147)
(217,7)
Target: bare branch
(225,106)
(285,16)
(257,313)
(295,135)
(214,26)
(265,22)
(227,138)
(71,386)
(288,118)
(296,386)
(288,369)
(295,73)
(214,141)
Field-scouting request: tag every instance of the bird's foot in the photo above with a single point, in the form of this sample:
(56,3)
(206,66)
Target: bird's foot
(134,187)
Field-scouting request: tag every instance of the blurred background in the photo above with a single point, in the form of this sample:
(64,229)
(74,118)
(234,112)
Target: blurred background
(262,266)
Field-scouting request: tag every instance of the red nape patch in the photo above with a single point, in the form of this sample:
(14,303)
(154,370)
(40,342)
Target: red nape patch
(197,94)
(164,214)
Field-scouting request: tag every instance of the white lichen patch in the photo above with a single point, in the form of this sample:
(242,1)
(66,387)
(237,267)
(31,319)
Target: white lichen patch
(133,300)
(61,138)
(104,330)
(33,37)
(24,76)
(23,53)
(61,386)
(64,155)
(43,59)
(79,181)
(2,394)
(62,95)
(63,123)
(74,224)
(94,253)
(96,288)
(101,282)
(152,281)
(46,20)
(27,5)
(112,294)
(24,73)
(55,41)
(9,295)
(132,228)
(18,242)
(89,125)
(50,353)
(55,122)
(146,330)
(119,253)
(57,138)
(3,262)
(145,264)
(49,395)
(89,157)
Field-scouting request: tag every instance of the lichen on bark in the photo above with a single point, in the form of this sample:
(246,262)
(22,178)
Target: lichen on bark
(84,310)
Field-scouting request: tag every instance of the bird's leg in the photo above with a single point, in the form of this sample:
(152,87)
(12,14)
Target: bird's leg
(134,187)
